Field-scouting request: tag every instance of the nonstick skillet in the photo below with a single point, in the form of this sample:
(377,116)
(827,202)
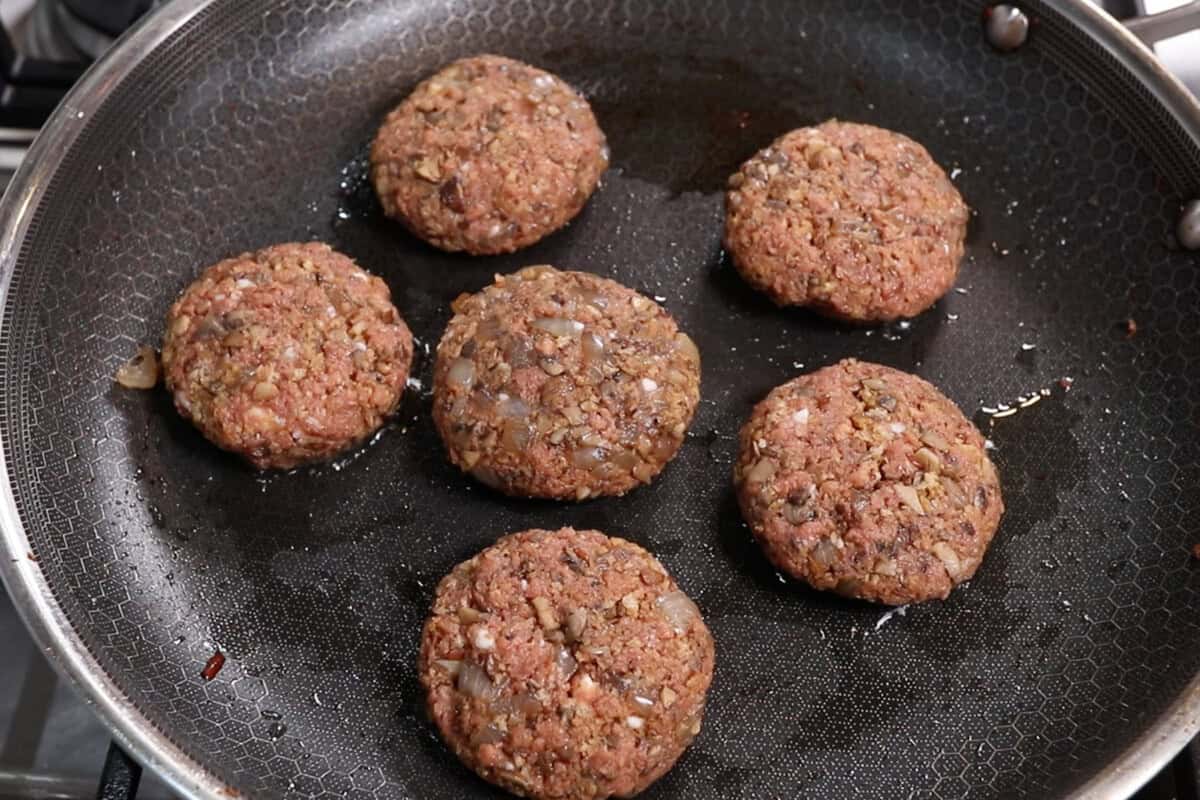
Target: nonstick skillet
(136,551)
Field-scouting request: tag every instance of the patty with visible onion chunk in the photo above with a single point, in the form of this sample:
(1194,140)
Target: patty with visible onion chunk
(563,385)
(867,481)
(487,156)
(856,222)
(286,356)
(565,664)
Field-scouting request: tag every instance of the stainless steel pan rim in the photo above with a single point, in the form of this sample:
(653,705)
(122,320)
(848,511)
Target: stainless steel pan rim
(65,649)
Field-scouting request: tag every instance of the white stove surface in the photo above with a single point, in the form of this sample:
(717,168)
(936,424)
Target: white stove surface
(1181,54)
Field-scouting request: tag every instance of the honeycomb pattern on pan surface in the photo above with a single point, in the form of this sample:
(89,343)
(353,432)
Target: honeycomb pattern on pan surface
(250,128)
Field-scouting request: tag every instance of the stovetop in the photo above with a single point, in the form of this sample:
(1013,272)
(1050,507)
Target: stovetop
(51,745)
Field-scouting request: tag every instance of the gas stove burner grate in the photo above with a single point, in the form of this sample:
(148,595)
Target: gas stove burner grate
(78,30)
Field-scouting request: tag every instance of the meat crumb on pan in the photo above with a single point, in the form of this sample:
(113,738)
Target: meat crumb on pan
(140,371)
(592,679)
(213,666)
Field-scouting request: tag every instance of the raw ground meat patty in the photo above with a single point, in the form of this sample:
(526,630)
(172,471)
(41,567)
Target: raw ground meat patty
(488,156)
(285,356)
(563,385)
(868,481)
(856,222)
(565,664)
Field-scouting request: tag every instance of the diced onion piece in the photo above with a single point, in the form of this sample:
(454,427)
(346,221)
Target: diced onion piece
(954,492)
(685,345)
(928,460)
(546,615)
(885,566)
(935,440)
(461,373)
(981,498)
(516,435)
(450,665)
(557,326)
(512,408)
(565,661)
(824,553)
(587,457)
(525,703)
(576,623)
(949,559)
(762,471)
(489,735)
(593,347)
(626,459)
(679,610)
(141,371)
(474,682)
(908,496)
(533,273)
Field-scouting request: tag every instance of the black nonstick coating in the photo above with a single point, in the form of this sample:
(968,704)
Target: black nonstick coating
(250,127)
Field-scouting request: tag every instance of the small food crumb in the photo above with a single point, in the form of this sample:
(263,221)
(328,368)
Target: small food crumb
(482,638)
(140,371)
(576,623)
(545,614)
(630,603)
(585,687)
(1065,382)
(1131,328)
(213,666)
(1196,551)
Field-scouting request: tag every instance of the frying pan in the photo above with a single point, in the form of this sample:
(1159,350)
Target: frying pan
(1066,668)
